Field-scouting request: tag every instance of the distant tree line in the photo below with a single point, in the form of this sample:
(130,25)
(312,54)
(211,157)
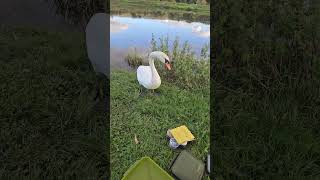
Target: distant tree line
(190,1)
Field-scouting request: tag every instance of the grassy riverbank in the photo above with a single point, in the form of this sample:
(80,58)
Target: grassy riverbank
(183,99)
(49,122)
(161,9)
(149,117)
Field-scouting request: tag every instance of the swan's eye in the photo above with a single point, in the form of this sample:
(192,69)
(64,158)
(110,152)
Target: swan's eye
(166,61)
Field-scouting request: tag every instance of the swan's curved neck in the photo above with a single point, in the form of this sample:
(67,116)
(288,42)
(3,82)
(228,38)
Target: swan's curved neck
(153,68)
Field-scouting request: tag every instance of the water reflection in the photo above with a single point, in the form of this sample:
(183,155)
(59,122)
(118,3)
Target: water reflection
(199,29)
(187,16)
(129,32)
(116,26)
(118,55)
(204,33)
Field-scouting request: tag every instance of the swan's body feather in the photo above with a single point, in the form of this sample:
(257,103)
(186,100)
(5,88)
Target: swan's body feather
(147,79)
(148,76)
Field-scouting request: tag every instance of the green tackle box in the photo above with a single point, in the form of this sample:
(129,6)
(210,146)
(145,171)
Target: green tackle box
(186,167)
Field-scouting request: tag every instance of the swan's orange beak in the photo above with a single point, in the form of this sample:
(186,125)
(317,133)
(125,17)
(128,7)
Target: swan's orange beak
(168,66)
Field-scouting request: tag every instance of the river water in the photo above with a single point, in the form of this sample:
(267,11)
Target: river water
(127,33)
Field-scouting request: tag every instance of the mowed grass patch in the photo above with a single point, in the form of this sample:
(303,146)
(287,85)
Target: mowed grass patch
(149,117)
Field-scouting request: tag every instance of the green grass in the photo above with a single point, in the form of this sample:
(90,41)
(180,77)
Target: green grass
(266,90)
(164,9)
(50,125)
(183,100)
(270,135)
(149,117)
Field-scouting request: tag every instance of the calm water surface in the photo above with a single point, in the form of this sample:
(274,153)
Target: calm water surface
(127,33)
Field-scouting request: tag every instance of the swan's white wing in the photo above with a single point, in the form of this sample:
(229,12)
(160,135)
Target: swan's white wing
(144,76)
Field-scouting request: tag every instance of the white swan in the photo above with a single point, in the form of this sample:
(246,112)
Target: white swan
(148,76)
